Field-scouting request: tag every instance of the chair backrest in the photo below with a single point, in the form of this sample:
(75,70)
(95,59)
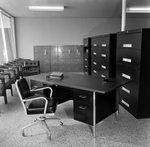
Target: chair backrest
(23,88)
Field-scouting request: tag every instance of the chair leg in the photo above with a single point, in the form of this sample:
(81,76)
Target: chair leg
(47,129)
(11,90)
(5,96)
(32,124)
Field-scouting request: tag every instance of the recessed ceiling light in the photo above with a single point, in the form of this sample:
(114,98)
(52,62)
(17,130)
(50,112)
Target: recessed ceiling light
(46,8)
(138,10)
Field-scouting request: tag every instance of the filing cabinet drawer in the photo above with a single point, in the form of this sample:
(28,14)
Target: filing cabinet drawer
(95,72)
(86,60)
(104,64)
(130,57)
(77,68)
(104,41)
(128,72)
(83,96)
(54,56)
(95,63)
(104,53)
(83,113)
(104,73)
(53,49)
(61,55)
(128,102)
(129,40)
(131,89)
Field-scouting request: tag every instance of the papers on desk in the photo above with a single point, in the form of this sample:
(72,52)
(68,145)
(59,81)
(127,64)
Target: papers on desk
(55,75)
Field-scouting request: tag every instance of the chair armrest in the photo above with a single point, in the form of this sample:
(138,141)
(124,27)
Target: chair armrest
(5,75)
(42,88)
(32,98)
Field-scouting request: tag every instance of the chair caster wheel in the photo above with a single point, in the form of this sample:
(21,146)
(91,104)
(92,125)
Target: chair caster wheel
(61,123)
(23,134)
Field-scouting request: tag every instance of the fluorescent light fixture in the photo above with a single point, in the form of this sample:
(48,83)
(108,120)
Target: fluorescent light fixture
(138,10)
(46,8)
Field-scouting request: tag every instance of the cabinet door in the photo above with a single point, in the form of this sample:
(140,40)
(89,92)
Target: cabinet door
(78,52)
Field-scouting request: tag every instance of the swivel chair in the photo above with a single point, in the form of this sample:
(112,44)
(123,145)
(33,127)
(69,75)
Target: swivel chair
(37,104)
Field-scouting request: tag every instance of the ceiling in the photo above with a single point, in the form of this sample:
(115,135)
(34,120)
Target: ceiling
(73,8)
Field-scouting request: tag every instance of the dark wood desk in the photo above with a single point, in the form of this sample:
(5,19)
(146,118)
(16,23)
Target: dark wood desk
(92,97)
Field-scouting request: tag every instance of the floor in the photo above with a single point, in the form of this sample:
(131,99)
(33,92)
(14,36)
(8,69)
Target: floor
(127,132)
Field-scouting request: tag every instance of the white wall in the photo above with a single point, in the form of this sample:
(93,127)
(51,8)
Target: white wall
(59,31)
(66,31)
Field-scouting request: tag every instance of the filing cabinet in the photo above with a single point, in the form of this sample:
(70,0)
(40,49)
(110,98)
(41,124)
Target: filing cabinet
(64,58)
(87,56)
(133,57)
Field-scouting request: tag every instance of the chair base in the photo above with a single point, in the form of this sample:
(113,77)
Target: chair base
(42,121)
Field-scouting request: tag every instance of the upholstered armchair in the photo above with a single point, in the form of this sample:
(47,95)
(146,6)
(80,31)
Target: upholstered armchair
(37,104)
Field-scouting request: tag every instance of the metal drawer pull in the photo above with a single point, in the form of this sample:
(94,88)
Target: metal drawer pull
(126,76)
(103,66)
(82,96)
(102,76)
(83,108)
(85,59)
(127,45)
(45,52)
(95,53)
(86,73)
(126,60)
(125,89)
(94,44)
(86,66)
(85,44)
(94,71)
(103,55)
(125,103)
(104,45)
(94,63)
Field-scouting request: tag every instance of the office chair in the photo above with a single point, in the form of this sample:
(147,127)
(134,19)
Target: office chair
(37,104)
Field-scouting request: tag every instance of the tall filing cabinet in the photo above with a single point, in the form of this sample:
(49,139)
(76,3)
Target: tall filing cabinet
(87,55)
(103,55)
(133,57)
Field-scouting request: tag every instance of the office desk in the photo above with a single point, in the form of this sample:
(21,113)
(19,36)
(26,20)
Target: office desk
(94,99)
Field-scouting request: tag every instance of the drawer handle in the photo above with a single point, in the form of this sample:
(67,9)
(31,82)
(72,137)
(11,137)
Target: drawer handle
(127,45)
(94,53)
(85,44)
(102,76)
(86,73)
(94,63)
(83,108)
(45,52)
(86,66)
(125,103)
(94,71)
(103,55)
(125,89)
(82,96)
(126,76)
(94,44)
(126,60)
(85,59)
(104,67)
(104,45)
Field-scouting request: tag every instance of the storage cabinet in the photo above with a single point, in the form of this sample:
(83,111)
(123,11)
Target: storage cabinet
(133,56)
(103,55)
(87,55)
(67,58)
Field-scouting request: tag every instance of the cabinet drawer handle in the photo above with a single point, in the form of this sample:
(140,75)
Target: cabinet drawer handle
(125,103)
(104,67)
(127,45)
(94,63)
(86,66)
(125,89)
(94,53)
(94,71)
(85,44)
(85,59)
(45,52)
(94,44)
(102,76)
(126,76)
(126,60)
(103,55)
(82,96)
(83,108)
(104,45)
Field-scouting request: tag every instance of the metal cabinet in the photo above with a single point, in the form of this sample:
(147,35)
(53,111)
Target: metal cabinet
(133,56)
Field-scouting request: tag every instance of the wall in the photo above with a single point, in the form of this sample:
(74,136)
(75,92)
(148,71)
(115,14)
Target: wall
(65,31)
(58,31)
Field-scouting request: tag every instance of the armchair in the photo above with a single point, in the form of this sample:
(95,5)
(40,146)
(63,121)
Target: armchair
(37,104)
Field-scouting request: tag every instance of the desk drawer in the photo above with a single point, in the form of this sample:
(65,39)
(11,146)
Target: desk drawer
(83,113)
(83,96)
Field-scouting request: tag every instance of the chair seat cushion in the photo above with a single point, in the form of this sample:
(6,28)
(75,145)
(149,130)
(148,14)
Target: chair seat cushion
(37,106)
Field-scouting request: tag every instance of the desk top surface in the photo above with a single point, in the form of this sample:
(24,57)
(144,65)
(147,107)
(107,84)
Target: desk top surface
(81,82)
